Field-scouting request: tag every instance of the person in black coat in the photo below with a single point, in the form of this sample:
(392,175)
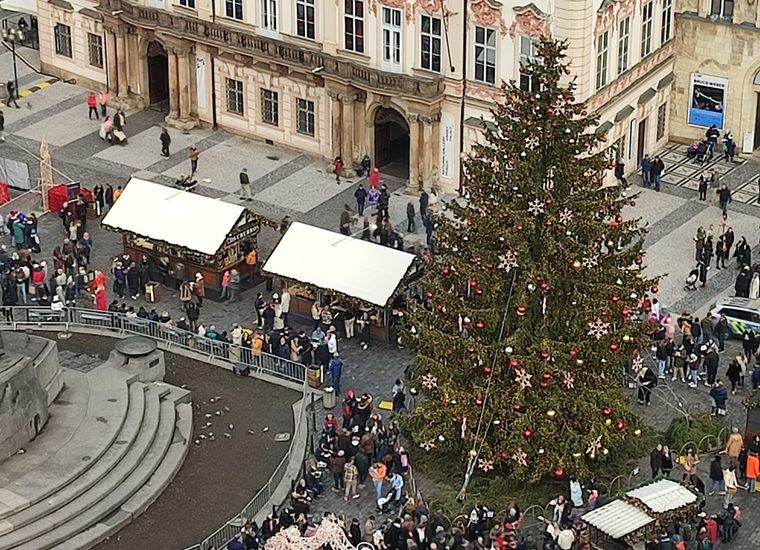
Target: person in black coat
(655,460)
(361,197)
(742,283)
(647,381)
(109,195)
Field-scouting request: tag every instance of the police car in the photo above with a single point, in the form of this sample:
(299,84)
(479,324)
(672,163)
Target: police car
(742,314)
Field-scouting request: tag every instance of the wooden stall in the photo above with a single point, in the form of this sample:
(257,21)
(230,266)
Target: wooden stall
(350,275)
(193,233)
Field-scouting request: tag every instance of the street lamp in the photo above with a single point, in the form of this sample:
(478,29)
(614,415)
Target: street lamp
(14,36)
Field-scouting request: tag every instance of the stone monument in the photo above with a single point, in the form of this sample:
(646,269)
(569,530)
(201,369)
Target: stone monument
(139,355)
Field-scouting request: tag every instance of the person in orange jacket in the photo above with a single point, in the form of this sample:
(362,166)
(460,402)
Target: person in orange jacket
(92,104)
(753,471)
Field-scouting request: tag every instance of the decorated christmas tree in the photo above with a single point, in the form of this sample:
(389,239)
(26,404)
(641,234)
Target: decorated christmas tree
(531,305)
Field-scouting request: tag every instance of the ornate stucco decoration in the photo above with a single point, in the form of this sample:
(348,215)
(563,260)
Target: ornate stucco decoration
(487,13)
(529,21)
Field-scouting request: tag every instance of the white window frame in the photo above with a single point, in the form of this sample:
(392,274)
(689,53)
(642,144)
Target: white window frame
(624,45)
(234,96)
(270,107)
(391,38)
(309,29)
(63,42)
(432,39)
(722,9)
(306,119)
(485,48)
(528,52)
(351,22)
(233,9)
(666,29)
(647,21)
(189,4)
(602,59)
(269,16)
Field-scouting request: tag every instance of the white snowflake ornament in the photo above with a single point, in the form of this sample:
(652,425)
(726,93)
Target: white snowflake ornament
(568,380)
(430,381)
(566,216)
(637,363)
(594,447)
(590,261)
(598,329)
(428,445)
(523,378)
(508,261)
(532,142)
(485,465)
(536,207)
(520,457)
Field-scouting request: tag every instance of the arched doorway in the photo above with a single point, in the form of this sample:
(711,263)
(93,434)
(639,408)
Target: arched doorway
(158,74)
(392,142)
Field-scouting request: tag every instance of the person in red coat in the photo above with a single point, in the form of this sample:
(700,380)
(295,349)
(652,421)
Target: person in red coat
(100,298)
(92,104)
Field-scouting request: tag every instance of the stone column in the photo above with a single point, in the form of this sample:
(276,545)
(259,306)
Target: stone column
(427,153)
(173,85)
(336,125)
(121,54)
(113,78)
(183,73)
(347,104)
(414,152)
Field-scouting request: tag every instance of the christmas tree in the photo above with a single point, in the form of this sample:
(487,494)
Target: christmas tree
(531,305)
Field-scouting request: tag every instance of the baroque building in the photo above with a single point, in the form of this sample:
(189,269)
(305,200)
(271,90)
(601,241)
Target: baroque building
(408,82)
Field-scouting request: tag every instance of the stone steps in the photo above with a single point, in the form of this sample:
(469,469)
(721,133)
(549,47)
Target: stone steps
(84,422)
(127,474)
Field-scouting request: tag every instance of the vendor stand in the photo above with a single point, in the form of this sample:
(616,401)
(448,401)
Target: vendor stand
(641,515)
(351,275)
(195,233)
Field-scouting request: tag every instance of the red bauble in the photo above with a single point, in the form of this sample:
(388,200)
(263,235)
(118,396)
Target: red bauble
(543,384)
(606,412)
(615,298)
(620,425)
(478,291)
(639,260)
(614,346)
(619,218)
(480,325)
(445,271)
(546,375)
(548,222)
(559,473)
(573,353)
(504,455)
(488,369)
(548,201)
(519,227)
(655,289)
(518,408)
(625,312)
(471,349)
(527,433)
(429,295)
(514,363)
(473,283)
(545,355)
(521,310)
(478,400)
(543,286)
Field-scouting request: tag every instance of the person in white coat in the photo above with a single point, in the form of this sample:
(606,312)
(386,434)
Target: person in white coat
(285,305)
(754,286)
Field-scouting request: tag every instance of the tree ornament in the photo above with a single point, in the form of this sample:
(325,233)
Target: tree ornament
(478,401)
(523,378)
(606,411)
(545,355)
(625,312)
(620,425)
(655,289)
(536,207)
(508,261)
(608,422)
(428,445)
(615,298)
(487,369)
(547,375)
(429,381)
(520,457)
(637,362)
(551,413)
(429,295)
(591,261)
(614,346)
(568,380)
(559,473)
(532,142)
(521,309)
(473,283)
(598,328)
(573,353)
(544,286)
(527,433)
(577,264)
(594,447)
(638,260)
(446,271)
(478,291)
(514,363)
(504,455)
(480,325)
(485,465)
(544,384)
(637,432)
(565,216)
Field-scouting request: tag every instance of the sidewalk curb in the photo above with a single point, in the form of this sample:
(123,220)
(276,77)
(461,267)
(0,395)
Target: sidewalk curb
(36,88)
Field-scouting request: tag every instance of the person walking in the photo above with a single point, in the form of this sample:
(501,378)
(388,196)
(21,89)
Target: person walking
(620,172)
(716,477)
(703,184)
(724,197)
(383,202)
(345,220)
(337,465)
(194,154)
(658,169)
(410,225)
(103,102)
(234,287)
(2,127)
(378,472)
(350,480)
(424,202)
(245,186)
(336,371)
(655,460)
(338,169)
(166,140)
(646,170)
(721,253)
(92,104)
(12,93)
(361,196)
(730,484)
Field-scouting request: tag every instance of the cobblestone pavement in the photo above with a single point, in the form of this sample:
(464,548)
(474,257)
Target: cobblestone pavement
(287,182)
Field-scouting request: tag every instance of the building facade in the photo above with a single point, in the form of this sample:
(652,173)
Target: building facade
(407,82)
(717,71)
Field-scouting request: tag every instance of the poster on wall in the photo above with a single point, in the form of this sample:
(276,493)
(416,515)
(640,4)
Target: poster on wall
(707,100)
(447,139)
(200,76)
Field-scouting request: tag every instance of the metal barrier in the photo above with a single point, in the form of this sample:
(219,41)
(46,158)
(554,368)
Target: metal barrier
(41,318)
(21,317)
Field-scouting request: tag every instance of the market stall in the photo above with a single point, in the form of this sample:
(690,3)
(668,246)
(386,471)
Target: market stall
(640,516)
(190,232)
(355,278)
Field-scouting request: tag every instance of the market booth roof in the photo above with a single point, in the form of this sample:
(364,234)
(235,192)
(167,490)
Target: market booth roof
(331,261)
(617,519)
(177,217)
(663,496)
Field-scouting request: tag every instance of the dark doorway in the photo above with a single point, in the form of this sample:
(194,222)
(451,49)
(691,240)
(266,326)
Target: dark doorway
(392,142)
(158,76)
(757,123)
(642,141)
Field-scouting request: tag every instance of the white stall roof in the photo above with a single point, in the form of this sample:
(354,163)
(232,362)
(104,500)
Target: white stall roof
(332,261)
(617,519)
(21,6)
(663,495)
(174,216)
